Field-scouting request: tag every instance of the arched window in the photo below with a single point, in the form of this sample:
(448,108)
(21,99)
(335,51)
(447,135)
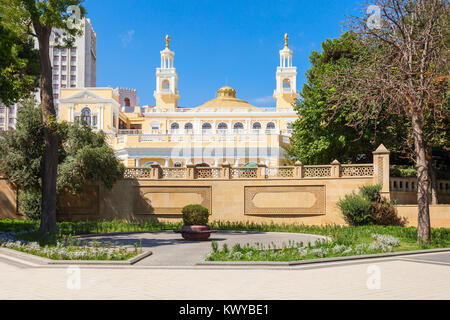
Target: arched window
(286,85)
(257,126)
(222,126)
(174,126)
(270,126)
(150,163)
(202,165)
(177,164)
(166,85)
(188,126)
(206,126)
(238,125)
(86,116)
(251,165)
(127,102)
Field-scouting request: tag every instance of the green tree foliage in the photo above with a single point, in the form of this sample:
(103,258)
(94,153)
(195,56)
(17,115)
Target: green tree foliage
(38,19)
(83,155)
(323,133)
(19,66)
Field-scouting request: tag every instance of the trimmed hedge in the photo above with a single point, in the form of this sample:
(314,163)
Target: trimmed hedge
(195,214)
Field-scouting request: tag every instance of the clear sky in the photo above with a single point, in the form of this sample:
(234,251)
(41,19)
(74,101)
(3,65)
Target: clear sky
(216,43)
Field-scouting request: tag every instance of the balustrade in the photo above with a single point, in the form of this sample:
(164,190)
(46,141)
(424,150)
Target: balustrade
(262,172)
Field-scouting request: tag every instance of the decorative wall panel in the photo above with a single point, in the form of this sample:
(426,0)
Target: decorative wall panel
(285,200)
(169,200)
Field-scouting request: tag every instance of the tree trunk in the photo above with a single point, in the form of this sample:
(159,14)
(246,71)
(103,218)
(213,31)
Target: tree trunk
(433,182)
(423,229)
(50,158)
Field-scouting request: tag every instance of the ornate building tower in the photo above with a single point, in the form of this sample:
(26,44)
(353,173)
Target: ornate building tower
(127,99)
(286,91)
(166,93)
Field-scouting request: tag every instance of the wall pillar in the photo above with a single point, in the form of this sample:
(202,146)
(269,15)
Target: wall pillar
(381,169)
(335,169)
(157,171)
(190,171)
(261,173)
(226,172)
(298,173)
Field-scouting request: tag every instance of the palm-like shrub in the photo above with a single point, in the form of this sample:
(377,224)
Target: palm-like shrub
(195,214)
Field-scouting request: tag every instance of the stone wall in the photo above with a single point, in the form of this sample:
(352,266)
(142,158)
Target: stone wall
(308,201)
(8,201)
(439,215)
(294,194)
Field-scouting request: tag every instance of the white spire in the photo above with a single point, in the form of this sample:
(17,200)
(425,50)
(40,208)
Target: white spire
(167,79)
(286,72)
(286,90)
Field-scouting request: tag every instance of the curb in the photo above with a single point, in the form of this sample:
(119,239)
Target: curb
(320,260)
(28,258)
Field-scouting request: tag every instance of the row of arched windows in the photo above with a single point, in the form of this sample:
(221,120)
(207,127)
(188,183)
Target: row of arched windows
(223,126)
(178,164)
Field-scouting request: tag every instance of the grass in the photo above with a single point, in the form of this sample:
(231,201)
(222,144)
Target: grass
(342,235)
(346,241)
(23,235)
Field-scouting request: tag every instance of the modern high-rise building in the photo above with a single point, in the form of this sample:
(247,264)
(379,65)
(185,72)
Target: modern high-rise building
(74,67)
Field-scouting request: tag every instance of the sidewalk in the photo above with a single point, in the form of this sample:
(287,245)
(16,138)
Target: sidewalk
(418,277)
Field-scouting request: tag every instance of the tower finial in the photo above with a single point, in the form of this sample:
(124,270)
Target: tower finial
(286,38)
(167,41)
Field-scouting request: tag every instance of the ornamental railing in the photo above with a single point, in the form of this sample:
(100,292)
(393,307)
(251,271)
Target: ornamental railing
(410,185)
(261,171)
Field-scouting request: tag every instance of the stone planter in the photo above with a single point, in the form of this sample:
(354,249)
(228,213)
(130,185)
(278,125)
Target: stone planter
(196,233)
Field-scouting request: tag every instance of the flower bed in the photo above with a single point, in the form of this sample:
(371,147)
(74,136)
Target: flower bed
(299,251)
(65,249)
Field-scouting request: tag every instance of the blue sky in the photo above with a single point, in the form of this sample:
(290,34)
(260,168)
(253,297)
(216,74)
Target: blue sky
(216,43)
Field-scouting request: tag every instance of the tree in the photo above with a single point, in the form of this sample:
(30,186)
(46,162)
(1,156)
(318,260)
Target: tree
(83,156)
(38,18)
(408,53)
(323,133)
(19,66)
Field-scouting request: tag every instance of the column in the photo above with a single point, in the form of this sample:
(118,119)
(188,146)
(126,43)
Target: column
(381,170)
(298,174)
(335,169)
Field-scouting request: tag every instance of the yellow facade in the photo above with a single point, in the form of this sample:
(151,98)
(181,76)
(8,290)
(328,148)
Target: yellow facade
(224,129)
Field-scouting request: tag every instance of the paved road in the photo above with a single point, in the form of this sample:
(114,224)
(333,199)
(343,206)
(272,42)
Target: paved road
(169,248)
(413,277)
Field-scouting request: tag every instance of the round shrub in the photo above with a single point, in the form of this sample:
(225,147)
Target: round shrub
(30,204)
(356,209)
(195,214)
